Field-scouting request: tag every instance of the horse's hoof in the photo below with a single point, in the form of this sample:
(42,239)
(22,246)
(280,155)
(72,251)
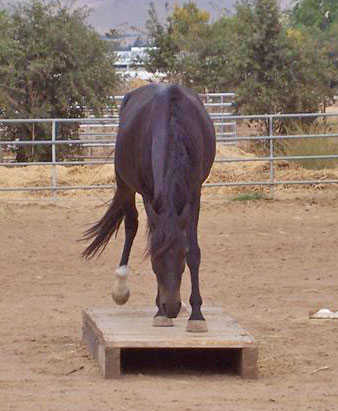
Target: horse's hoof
(121,292)
(197,326)
(161,321)
(121,297)
(184,311)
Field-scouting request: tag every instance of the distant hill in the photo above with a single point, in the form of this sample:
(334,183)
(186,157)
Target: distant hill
(124,14)
(127,13)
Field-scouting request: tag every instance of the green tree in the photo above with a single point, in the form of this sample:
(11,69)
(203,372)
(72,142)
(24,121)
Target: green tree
(272,68)
(271,71)
(261,58)
(312,71)
(180,47)
(52,64)
(162,54)
(7,45)
(314,13)
(220,54)
(318,20)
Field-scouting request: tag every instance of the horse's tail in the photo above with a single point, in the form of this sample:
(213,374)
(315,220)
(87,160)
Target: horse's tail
(104,228)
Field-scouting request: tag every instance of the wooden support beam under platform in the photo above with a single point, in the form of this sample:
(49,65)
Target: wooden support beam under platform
(123,340)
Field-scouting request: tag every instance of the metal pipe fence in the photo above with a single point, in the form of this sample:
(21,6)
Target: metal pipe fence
(270,143)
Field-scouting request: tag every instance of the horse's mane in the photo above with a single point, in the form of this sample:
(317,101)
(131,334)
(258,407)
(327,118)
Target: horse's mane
(180,160)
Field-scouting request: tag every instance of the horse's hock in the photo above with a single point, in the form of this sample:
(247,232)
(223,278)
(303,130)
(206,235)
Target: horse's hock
(123,340)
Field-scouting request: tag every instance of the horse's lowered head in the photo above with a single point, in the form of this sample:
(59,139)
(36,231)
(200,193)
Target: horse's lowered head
(167,249)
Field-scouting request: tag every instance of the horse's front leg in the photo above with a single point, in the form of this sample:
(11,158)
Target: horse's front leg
(196,322)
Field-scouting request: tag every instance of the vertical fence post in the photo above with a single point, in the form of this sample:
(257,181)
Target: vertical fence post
(272,169)
(54,131)
(234,121)
(222,111)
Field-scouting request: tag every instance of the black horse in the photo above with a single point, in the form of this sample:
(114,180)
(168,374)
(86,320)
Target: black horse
(165,148)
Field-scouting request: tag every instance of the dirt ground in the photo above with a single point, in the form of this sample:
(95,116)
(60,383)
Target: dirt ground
(268,263)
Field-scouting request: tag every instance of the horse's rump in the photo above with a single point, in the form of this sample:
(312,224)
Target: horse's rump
(166,142)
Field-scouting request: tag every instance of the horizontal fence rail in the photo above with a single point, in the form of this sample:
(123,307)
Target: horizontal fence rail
(87,141)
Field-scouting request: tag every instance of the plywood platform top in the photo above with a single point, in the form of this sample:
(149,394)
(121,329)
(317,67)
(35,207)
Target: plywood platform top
(132,328)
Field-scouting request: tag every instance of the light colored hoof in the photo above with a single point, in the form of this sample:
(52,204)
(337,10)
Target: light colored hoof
(121,292)
(184,311)
(197,326)
(121,297)
(161,321)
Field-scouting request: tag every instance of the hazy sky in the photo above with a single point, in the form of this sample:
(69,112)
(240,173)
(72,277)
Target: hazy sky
(125,13)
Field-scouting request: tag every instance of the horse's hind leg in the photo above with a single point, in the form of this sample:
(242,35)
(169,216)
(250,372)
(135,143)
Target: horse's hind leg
(196,322)
(160,319)
(121,291)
